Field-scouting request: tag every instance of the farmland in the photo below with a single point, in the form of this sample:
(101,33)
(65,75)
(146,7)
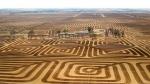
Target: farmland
(46,58)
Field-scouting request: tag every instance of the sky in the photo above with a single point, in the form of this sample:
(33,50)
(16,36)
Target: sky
(74,3)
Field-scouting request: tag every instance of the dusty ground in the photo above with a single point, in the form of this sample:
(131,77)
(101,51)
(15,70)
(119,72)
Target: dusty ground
(76,61)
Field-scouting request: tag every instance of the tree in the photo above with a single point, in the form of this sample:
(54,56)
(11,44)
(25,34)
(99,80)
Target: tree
(12,33)
(122,33)
(31,33)
(49,33)
(58,32)
(106,33)
(65,32)
(90,29)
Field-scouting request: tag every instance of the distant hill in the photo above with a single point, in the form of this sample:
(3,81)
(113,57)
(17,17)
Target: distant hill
(107,10)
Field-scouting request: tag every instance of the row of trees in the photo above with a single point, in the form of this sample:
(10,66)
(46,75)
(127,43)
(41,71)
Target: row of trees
(65,31)
(114,32)
(110,31)
(31,33)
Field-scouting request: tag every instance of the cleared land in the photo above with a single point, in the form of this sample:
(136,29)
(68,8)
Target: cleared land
(124,60)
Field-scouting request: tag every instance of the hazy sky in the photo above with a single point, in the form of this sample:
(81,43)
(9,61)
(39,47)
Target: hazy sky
(74,3)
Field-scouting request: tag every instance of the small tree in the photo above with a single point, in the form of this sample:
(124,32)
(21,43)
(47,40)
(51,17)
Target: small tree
(49,33)
(58,32)
(90,29)
(122,34)
(31,33)
(12,33)
(65,31)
